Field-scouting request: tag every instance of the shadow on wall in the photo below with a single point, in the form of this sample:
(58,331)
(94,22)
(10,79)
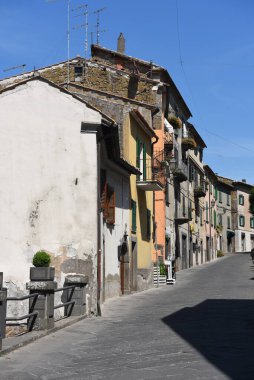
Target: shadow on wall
(222,331)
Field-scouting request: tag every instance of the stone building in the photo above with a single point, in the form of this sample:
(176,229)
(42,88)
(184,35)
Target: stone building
(224,215)
(194,147)
(210,215)
(54,147)
(242,219)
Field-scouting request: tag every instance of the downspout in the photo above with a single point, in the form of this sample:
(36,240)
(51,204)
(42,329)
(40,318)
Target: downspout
(98,228)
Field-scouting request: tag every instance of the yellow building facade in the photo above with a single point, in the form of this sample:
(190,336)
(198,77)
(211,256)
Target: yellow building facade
(138,144)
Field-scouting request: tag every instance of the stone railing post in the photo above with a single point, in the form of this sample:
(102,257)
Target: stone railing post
(45,286)
(3,296)
(79,295)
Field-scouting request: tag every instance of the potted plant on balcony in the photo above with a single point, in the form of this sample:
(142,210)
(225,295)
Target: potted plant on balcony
(175,121)
(189,143)
(41,270)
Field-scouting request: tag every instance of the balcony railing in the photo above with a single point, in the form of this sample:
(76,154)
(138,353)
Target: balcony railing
(182,214)
(152,177)
(179,170)
(200,189)
(168,145)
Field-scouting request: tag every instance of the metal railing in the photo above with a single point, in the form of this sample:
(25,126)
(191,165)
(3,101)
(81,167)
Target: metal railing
(200,187)
(152,169)
(69,304)
(31,316)
(179,169)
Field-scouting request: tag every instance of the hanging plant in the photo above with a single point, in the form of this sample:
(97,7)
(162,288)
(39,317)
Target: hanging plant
(189,143)
(219,229)
(175,121)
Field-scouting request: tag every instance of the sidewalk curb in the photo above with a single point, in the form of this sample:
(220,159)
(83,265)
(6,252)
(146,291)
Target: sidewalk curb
(39,334)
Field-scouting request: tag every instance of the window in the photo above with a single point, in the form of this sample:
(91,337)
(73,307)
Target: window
(228,222)
(215,193)
(191,173)
(252,222)
(108,203)
(241,220)
(78,73)
(190,210)
(220,219)
(201,215)
(148,221)
(220,196)
(228,199)
(241,199)
(167,198)
(141,159)
(207,213)
(133,216)
(184,209)
(211,189)
(215,218)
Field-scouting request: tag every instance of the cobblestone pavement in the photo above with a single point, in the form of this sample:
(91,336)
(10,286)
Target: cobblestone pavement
(201,328)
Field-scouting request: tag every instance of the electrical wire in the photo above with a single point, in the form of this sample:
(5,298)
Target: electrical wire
(191,92)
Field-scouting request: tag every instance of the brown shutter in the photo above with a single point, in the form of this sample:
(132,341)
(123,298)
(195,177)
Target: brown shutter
(111,205)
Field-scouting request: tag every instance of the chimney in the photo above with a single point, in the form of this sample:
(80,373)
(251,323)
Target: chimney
(244,180)
(121,44)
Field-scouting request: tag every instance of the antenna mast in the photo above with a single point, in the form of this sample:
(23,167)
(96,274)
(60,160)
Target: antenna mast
(85,25)
(16,67)
(97,12)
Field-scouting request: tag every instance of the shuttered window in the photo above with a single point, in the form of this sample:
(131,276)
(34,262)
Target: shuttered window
(108,203)
(134,216)
(241,199)
(111,205)
(215,218)
(252,222)
(207,215)
(241,220)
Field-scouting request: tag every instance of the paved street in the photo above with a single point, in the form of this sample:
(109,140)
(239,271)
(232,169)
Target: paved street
(201,328)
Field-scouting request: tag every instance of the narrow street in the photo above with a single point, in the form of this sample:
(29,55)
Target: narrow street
(201,328)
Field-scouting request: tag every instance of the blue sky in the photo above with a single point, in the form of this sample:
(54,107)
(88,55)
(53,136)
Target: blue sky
(209,53)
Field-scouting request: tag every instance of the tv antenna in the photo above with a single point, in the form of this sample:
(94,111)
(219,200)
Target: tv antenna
(68,37)
(16,67)
(85,25)
(98,31)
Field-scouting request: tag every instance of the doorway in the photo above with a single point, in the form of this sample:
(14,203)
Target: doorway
(184,251)
(133,266)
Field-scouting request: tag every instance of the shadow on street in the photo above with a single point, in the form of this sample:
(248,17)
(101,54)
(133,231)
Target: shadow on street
(222,330)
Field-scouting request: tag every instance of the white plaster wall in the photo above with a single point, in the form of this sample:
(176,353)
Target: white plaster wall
(238,245)
(42,153)
(113,234)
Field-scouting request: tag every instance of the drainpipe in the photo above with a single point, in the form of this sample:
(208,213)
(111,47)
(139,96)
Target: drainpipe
(98,228)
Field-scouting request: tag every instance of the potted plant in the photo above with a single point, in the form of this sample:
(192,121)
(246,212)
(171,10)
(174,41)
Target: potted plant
(175,121)
(189,143)
(41,270)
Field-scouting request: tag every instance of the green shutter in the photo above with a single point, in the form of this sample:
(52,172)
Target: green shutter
(216,193)
(215,218)
(134,216)
(138,156)
(144,162)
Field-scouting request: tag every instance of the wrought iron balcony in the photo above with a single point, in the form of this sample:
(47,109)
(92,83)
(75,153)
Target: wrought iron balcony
(152,177)
(168,146)
(179,170)
(182,214)
(200,189)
